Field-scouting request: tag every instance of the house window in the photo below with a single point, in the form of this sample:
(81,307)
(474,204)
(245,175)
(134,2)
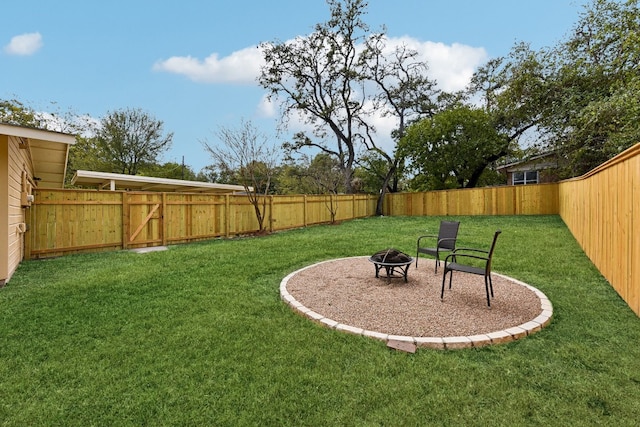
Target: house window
(523,178)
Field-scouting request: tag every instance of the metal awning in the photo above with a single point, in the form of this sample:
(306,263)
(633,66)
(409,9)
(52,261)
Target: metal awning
(115,181)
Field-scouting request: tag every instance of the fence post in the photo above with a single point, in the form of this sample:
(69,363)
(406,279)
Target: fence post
(304,213)
(271,214)
(227,216)
(163,221)
(28,235)
(125,220)
(353,206)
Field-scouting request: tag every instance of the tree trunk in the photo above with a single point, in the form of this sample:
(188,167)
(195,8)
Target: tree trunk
(383,190)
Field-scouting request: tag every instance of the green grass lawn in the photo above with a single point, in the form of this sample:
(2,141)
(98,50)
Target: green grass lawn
(197,335)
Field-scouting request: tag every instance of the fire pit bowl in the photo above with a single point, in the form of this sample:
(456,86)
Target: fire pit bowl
(391,259)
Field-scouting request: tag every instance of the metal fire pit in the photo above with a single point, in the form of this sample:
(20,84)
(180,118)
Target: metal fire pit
(393,261)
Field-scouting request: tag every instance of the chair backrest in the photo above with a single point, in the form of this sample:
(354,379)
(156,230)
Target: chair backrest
(448,230)
(490,256)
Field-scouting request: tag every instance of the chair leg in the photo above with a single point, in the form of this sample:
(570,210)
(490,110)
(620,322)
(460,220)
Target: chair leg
(486,288)
(491,285)
(437,263)
(450,277)
(444,276)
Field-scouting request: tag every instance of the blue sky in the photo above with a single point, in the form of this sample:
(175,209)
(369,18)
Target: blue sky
(193,64)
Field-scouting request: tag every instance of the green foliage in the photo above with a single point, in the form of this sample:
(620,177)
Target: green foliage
(324,176)
(129,139)
(581,96)
(372,174)
(322,79)
(85,154)
(213,173)
(319,175)
(171,170)
(324,62)
(290,178)
(14,112)
(452,149)
(597,80)
(198,335)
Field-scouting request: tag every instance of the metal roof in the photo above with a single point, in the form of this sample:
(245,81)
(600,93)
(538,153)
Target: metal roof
(533,159)
(49,152)
(115,181)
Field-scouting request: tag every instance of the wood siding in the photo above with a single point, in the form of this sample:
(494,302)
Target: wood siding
(4,209)
(17,163)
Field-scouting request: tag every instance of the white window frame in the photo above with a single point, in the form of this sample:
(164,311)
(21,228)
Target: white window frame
(526,177)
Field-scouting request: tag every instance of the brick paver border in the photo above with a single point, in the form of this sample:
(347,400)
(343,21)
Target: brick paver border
(440,343)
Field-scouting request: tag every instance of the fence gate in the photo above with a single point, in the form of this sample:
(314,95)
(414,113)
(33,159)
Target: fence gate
(143,219)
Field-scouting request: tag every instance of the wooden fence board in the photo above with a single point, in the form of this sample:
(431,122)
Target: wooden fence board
(539,199)
(602,211)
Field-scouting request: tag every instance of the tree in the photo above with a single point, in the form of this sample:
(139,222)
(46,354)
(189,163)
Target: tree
(130,139)
(219,174)
(316,77)
(171,170)
(15,112)
(404,92)
(247,153)
(597,77)
(372,174)
(318,175)
(338,80)
(85,155)
(324,172)
(452,149)
(80,154)
(580,96)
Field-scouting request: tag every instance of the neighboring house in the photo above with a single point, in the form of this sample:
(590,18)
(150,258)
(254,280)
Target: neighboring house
(538,169)
(29,159)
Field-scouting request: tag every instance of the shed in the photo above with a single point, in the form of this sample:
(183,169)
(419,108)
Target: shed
(116,181)
(29,159)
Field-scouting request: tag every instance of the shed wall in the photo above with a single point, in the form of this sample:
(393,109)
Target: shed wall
(4,208)
(18,161)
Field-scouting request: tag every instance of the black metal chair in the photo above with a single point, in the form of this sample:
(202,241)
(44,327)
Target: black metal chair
(446,241)
(456,262)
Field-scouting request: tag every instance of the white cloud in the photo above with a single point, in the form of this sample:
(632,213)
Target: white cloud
(450,65)
(266,107)
(24,44)
(241,67)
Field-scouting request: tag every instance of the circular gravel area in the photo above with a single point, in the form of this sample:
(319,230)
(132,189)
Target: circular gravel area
(345,294)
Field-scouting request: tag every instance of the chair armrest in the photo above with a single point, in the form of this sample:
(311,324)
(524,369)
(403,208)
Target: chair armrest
(470,250)
(454,256)
(446,239)
(427,235)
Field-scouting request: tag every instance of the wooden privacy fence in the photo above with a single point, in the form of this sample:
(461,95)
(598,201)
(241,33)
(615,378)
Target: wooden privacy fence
(602,210)
(72,221)
(539,199)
